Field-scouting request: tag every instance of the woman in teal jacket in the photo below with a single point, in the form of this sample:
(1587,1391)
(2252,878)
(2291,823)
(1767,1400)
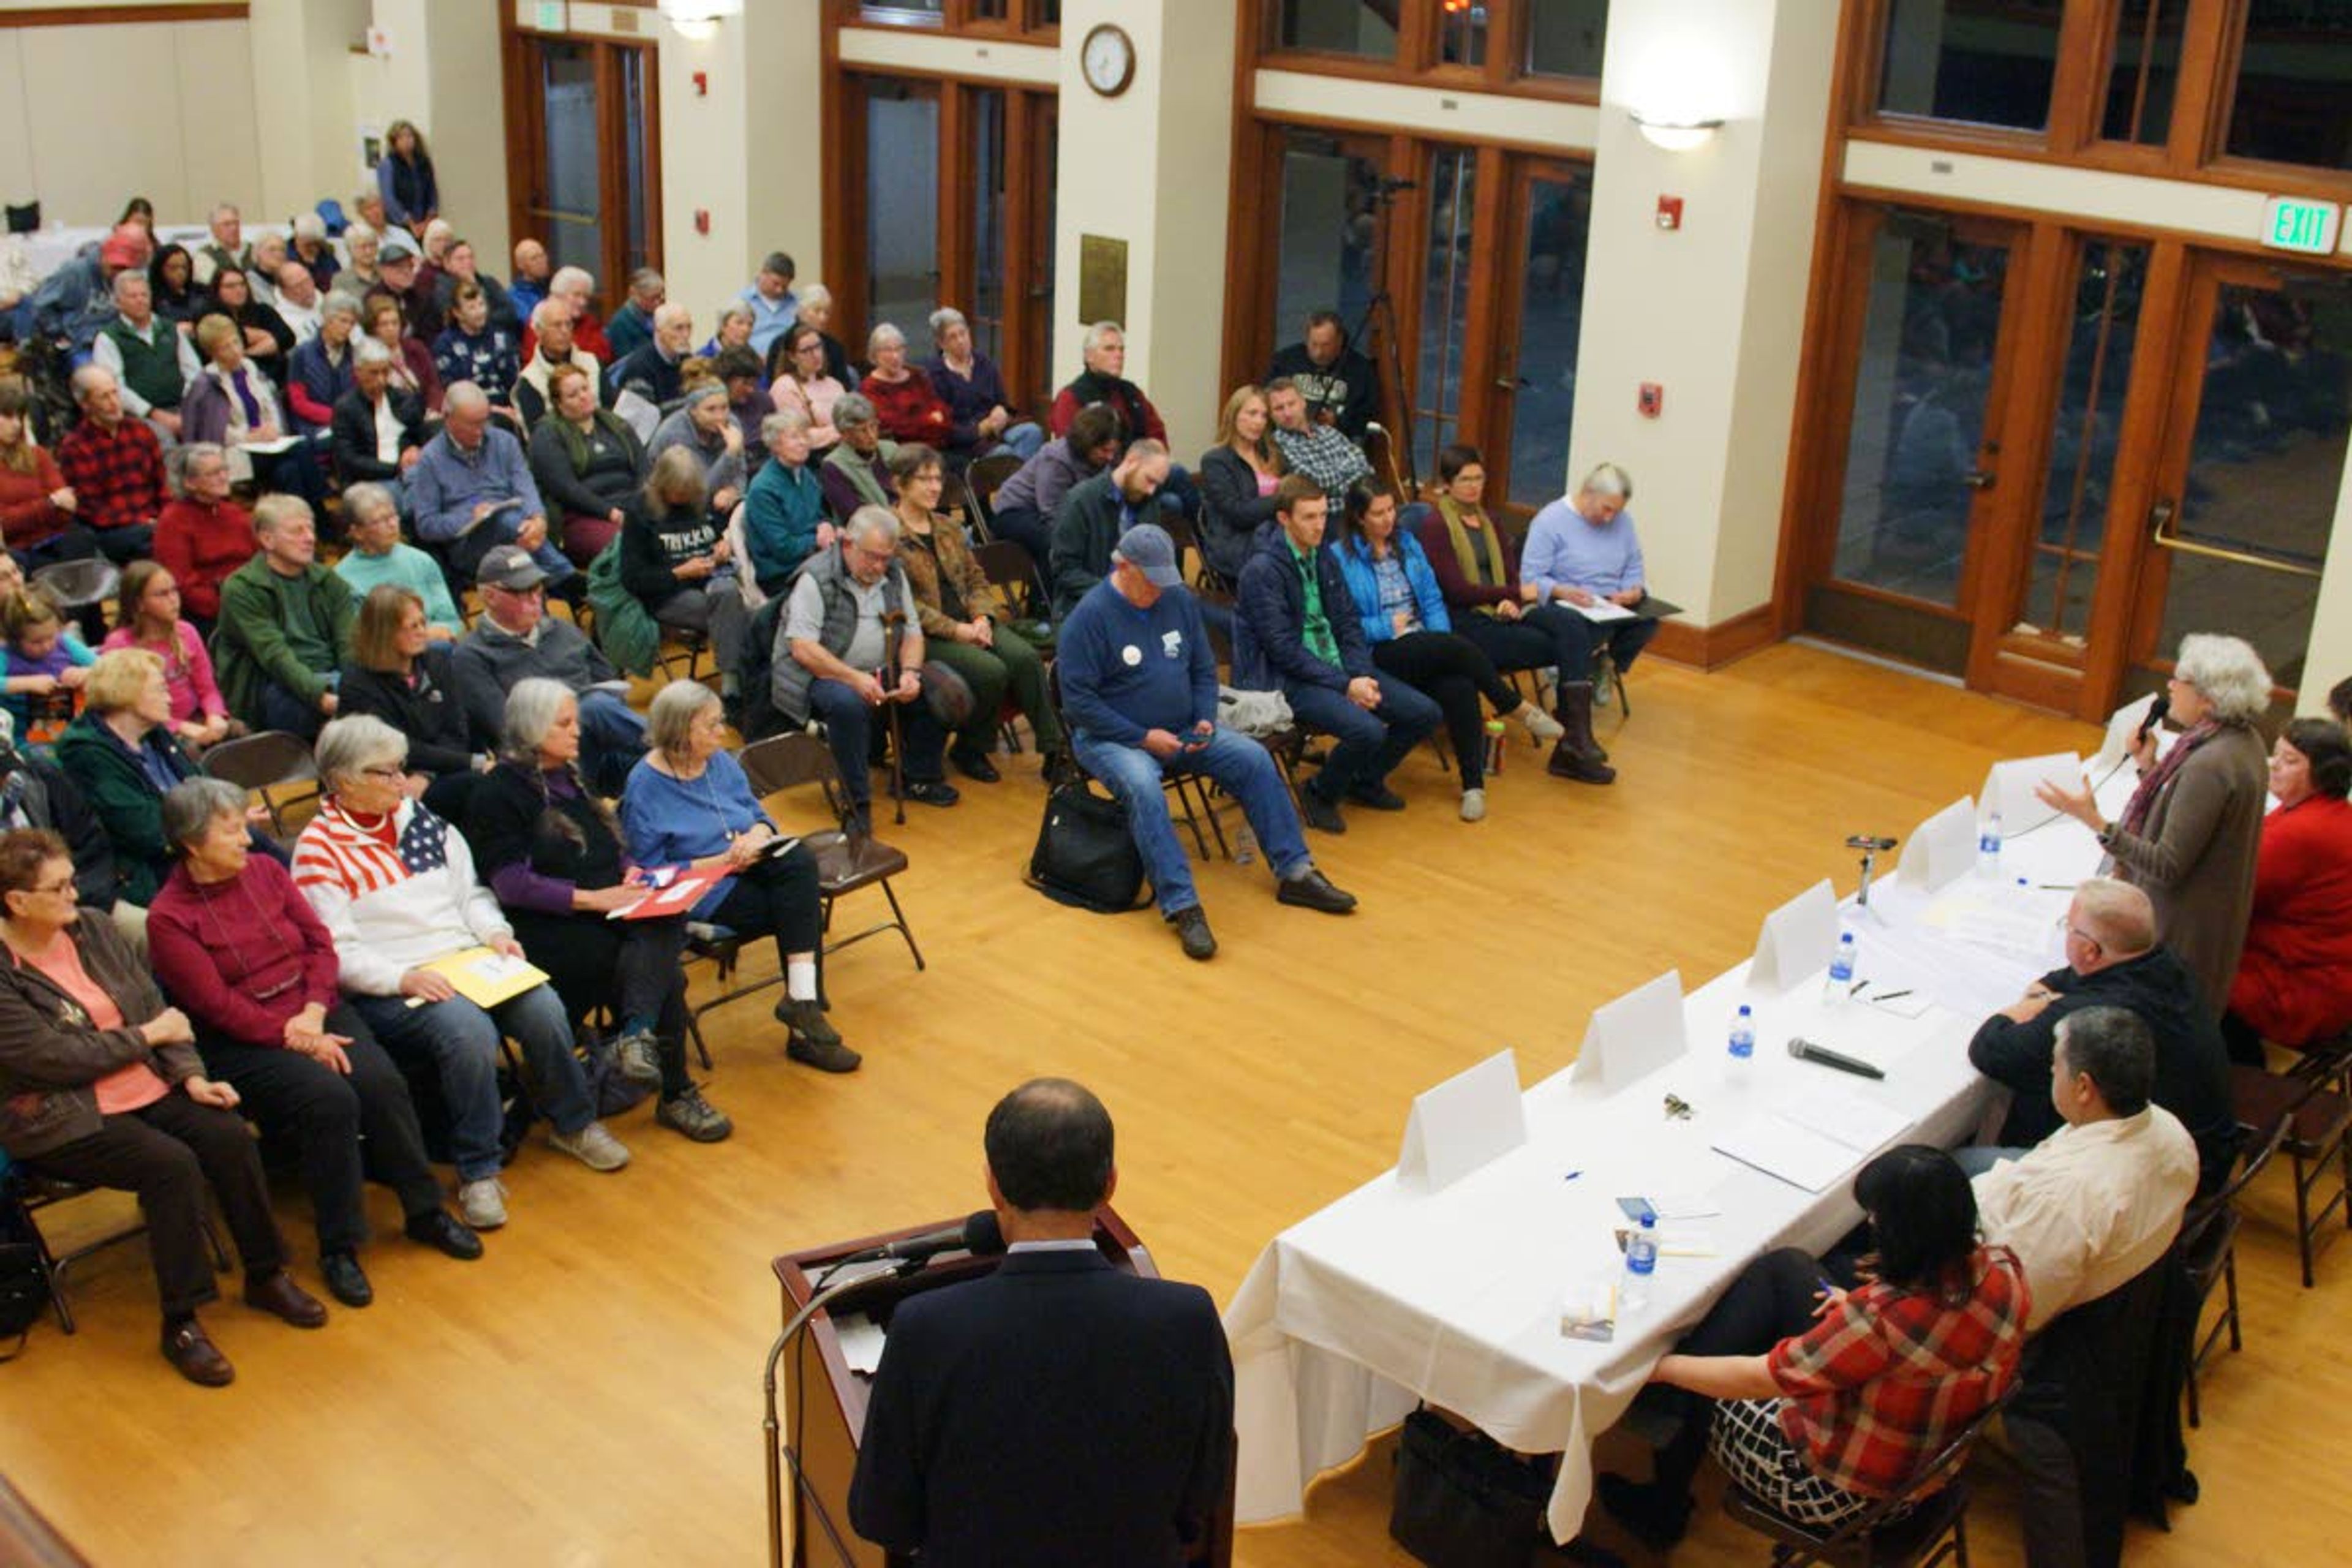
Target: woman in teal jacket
(1404,616)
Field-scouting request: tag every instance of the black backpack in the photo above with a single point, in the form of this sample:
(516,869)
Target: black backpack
(24,1283)
(753,669)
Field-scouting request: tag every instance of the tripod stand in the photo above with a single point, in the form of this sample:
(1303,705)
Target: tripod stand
(1382,307)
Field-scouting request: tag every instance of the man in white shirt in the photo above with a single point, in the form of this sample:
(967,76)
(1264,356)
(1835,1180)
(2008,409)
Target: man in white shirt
(298,300)
(2089,1207)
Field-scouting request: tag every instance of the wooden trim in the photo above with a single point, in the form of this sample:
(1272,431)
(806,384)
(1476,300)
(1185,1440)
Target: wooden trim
(657,236)
(1367,128)
(1711,648)
(122,16)
(1250,220)
(2203,239)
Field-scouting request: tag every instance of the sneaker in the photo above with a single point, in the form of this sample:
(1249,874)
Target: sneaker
(694,1116)
(1540,724)
(1318,813)
(1474,805)
(483,1203)
(1378,796)
(1192,931)
(593,1146)
(639,1055)
(833,1058)
(807,1020)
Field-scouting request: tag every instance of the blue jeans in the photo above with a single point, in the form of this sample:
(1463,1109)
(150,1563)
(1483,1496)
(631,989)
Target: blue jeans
(1369,744)
(461,1043)
(1023,439)
(1234,761)
(279,708)
(612,739)
(849,730)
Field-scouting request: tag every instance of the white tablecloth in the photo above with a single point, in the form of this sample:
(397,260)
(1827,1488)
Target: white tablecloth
(1389,1295)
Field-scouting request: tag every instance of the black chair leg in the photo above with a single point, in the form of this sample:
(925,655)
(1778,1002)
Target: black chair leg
(905,930)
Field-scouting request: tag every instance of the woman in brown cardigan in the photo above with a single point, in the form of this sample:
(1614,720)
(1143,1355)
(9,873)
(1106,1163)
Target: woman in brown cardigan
(2189,834)
(100,1085)
(963,618)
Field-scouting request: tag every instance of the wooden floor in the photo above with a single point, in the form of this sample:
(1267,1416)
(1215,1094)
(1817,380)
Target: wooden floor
(588,1392)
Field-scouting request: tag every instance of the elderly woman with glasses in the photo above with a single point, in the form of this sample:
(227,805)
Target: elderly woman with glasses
(396,888)
(101,1084)
(242,952)
(554,855)
(2189,836)
(904,399)
(689,803)
(783,512)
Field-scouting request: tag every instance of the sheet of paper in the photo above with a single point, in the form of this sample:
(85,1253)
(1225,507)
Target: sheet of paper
(1779,1147)
(1845,1117)
(271,448)
(1602,610)
(861,1341)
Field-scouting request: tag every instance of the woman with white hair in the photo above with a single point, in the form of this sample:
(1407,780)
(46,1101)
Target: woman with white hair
(689,803)
(397,890)
(815,313)
(554,855)
(321,369)
(2190,835)
(968,383)
(734,321)
(364,247)
(909,406)
(704,427)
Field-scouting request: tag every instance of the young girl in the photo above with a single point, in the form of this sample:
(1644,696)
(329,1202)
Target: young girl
(46,663)
(148,616)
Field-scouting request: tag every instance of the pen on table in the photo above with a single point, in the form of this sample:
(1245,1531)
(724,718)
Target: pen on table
(1891,995)
(2055,886)
(1855,989)
(1572,1175)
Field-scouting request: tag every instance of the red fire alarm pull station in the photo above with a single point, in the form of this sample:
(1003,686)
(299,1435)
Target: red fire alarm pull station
(1652,399)
(1670,212)
(702,220)
(702,89)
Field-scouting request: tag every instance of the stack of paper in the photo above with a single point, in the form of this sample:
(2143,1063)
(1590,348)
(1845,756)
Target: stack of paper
(1810,1140)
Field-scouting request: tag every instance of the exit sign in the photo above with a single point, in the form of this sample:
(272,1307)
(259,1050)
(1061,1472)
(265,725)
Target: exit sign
(2290,223)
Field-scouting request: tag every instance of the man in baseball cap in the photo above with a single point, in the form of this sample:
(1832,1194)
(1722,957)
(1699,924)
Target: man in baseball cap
(1140,688)
(517,637)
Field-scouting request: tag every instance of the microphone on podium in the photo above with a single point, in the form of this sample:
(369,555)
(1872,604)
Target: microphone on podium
(979,1235)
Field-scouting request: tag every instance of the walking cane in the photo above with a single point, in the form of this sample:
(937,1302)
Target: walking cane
(894,633)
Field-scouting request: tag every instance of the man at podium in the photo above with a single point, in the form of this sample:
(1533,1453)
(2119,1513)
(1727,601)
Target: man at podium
(1057,1411)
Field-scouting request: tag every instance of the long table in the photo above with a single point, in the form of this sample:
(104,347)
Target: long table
(1390,1294)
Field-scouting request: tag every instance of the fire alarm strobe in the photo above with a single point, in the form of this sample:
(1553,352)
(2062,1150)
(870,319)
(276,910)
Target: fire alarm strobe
(1652,399)
(1670,212)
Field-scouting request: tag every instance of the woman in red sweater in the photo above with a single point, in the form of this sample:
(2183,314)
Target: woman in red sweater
(201,535)
(2295,983)
(36,506)
(909,404)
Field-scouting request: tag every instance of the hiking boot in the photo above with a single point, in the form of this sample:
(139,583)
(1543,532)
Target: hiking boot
(638,1052)
(832,1057)
(1192,931)
(694,1116)
(807,1020)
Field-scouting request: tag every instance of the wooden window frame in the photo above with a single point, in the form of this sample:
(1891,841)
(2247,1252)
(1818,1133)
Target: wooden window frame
(1023,21)
(1420,24)
(2212,37)
(525,147)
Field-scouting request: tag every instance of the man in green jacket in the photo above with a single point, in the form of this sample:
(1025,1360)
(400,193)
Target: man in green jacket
(285,626)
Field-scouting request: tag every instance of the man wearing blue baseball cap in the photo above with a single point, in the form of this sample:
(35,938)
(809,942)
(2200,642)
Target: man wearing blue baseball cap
(1139,691)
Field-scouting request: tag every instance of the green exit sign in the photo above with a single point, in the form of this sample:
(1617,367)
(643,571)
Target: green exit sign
(2291,223)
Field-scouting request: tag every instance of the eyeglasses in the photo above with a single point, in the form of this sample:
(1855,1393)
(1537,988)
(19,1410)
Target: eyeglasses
(66,886)
(388,770)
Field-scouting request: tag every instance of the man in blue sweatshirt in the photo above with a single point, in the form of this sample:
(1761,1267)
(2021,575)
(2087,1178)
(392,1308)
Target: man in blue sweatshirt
(1140,691)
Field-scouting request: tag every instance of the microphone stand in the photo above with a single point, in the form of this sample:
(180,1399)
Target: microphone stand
(1870,845)
(771,1431)
(893,635)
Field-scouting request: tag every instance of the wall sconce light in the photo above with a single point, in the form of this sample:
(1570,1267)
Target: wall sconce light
(698,20)
(1674,135)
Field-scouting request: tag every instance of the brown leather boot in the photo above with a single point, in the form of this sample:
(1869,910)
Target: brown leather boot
(1575,756)
(1590,745)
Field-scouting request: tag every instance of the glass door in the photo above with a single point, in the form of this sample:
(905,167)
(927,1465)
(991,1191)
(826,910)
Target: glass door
(2250,466)
(1534,359)
(1444,341)
(583,161)
(1906,500)
(567,204)
(902,208)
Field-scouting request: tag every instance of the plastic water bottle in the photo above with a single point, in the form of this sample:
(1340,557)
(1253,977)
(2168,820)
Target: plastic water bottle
(1840,984)
(1245,845)
(1743,1043)
(1989,847)
(1495,746)
(1641,1265)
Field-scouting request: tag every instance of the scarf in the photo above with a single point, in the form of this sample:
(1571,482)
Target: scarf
(2143,800)
(244,396)
(575,440)
(1480,559)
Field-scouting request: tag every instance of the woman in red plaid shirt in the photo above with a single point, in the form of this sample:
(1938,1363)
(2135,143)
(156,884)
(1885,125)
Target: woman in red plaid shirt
(1824,1401)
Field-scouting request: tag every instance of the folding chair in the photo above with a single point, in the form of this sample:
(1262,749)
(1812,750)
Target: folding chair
(272,760)
(2318,1120)
(1186,787)
(28,1195)
(984,476)
(2208,1248)
(845,861)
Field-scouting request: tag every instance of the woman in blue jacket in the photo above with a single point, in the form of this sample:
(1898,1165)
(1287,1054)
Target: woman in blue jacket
(1404,616)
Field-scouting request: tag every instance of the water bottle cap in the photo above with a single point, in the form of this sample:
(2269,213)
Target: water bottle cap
(1744,1010)
(1649,1221)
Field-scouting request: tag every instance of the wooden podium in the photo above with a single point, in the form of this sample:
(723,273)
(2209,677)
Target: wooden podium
(825,1411)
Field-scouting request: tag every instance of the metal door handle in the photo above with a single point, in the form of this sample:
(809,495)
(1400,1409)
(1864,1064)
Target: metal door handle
(1513,384)
(1979,479)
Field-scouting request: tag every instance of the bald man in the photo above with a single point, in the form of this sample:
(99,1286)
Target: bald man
(2113,960)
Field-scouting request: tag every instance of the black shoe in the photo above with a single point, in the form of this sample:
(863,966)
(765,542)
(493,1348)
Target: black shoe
(834,1057)
(1378,796)
(445,1233)
(807,1020)
(1318,813)
(1060,768)
(930,792)
(974,764)
(346,1281)
(1651,1518)
(1567,762)
(1313,890)
(1192,931)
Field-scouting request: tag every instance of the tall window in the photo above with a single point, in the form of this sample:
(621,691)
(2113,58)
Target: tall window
(1327,254)
(2144,72)
(902,204)
(1365,28)
(1986,62)
(2294,97)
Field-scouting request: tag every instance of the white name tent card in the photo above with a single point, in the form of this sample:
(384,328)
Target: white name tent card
(2008,787)
(1463,1123)
(1798,939)
(1637,1033)
(1941,849)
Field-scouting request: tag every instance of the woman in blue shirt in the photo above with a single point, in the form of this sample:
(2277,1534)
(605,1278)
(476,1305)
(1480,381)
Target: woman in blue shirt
(1403,615)
(688,803)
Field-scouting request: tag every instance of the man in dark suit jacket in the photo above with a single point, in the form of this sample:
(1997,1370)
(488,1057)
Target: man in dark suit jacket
(1059,1411)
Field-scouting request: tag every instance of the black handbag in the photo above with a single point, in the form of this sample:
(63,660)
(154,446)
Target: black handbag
(24,1283)
(1461,1500)
(1084,856)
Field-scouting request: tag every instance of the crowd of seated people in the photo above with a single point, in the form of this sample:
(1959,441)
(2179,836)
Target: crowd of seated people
(488,783)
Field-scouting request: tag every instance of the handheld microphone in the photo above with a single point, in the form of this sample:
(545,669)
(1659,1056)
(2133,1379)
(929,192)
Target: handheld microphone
(2158,711)
(1804,1050)
(979,1235)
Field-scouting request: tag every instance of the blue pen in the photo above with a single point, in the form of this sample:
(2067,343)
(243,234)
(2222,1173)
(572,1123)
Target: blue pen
(1572,1175)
